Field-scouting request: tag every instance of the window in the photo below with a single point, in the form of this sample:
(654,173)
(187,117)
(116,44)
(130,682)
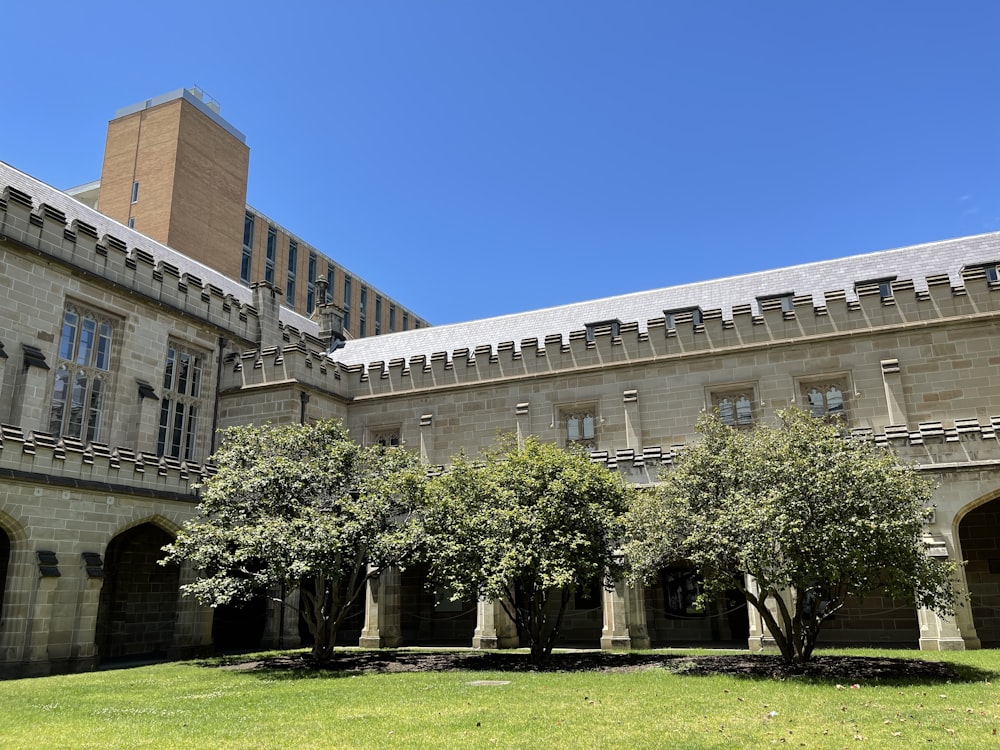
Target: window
(180,403)
(826,399)
(135,192)
(131,222)
(681,589)
(361,310)
(246,262)
(735,407)
(681,316)
(293,260)
(271,255)
(992,275)
(385,436)
(580,427)
(82,378)
(311,284)
(378,314)
(392,318)
(347,303)
(329,285)
(406,321)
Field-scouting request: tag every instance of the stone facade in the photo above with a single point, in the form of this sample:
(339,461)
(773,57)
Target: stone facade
(104,333)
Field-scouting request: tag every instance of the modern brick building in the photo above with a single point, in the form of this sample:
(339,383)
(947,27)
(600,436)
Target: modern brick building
(176,171)
(120,357)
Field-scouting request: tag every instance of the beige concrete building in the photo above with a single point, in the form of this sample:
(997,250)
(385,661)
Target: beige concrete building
(120,357)
(176,171)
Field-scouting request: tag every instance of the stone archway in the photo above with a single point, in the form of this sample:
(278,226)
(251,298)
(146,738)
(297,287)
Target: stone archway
(138,608)
(979,536)
(427,622)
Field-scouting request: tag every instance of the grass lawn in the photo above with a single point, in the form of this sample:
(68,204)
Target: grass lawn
(191,705)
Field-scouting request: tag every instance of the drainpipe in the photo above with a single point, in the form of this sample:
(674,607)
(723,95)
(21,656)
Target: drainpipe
(303,400)
(218,384)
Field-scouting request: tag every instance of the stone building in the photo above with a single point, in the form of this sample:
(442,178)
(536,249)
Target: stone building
(120,357)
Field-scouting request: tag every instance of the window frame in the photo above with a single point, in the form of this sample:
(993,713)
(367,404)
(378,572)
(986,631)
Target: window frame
(83,378)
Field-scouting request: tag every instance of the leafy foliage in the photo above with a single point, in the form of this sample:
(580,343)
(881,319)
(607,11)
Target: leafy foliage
(526,527)
(304,507)
(803,510)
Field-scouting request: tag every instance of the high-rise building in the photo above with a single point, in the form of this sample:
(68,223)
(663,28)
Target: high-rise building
(176,170)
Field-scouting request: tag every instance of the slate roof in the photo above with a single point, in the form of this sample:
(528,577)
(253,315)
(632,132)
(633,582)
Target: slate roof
(816,279)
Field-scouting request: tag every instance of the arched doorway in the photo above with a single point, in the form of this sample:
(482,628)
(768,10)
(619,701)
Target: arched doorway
(979,534)
(673,619)
(239,626)
(424,621)
(138,606)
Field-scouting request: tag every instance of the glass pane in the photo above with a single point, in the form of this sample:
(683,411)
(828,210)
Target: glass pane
(96,407)
(59,401)
(573,428)
(104,347)
(161,438)
(85,351)
(814,399)
(195,376)
(744,411)
(726,412)
(68,337)
(178,431)
(168,373)
(182,373)
(192,429)
(834,400)
(588,427)
(74,428)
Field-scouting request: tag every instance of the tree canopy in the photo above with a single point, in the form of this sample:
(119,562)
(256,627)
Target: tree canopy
(526,527)
(300,507)
(813,516)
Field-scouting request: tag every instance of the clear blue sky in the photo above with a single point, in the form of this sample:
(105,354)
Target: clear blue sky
(479,157)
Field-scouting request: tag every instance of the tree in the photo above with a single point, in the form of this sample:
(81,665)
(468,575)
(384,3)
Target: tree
(813,516)
(303,507)
(526,527)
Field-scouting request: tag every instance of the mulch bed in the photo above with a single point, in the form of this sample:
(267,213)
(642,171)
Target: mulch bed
(842,669)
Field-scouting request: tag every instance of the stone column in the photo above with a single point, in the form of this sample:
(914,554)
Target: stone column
(288,636)
(892,382)
(494,629)
(624,618)
(83,654)
(15,616)
(760,638)
(382,625)
(37,645)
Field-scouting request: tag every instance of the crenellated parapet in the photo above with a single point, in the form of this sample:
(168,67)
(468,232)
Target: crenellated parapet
(774,322)
(295,362)
(48,231)
(63,462)
(967,443)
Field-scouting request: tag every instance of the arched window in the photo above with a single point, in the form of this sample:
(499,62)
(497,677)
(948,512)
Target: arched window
(81,385)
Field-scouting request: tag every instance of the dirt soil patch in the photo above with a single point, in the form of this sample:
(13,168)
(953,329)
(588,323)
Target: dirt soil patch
(851,670)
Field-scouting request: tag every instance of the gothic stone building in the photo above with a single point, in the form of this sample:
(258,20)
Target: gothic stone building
(121,357)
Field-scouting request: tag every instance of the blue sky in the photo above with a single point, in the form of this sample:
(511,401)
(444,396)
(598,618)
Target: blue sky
(479,157)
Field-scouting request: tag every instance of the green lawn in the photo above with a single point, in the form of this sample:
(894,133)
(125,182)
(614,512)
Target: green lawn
(189,705)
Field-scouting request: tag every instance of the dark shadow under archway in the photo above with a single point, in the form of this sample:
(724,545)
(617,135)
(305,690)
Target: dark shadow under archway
(424,621)
(979,533)
(239,626)
(4,564)
(138,607)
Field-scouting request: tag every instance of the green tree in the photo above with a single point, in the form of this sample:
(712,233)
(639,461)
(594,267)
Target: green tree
(526,527)
(304,507)
(804,510)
